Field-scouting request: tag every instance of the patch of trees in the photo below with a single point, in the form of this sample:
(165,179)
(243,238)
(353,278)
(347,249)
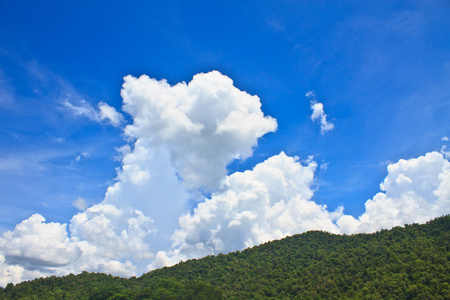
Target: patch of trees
(410,262)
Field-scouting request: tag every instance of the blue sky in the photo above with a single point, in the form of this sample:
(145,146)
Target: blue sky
(380,70)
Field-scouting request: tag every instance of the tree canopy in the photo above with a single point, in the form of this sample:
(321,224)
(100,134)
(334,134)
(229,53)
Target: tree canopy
(410,262)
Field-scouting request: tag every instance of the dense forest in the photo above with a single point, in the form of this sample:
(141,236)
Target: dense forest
(410,262)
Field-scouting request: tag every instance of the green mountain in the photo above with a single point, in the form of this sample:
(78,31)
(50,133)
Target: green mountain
(410,262)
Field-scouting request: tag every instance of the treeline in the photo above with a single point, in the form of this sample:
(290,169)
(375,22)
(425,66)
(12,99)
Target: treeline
(95,286)
(410,262)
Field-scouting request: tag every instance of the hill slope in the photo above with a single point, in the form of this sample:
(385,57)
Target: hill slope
(402,263)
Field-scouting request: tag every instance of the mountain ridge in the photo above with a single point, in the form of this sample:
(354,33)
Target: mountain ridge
(410,262)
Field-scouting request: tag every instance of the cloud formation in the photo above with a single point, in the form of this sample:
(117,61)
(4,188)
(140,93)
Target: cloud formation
(148,182)
(104,113)
(274,200)
(80,204)
(269,202)
(185,136)
(115,233)
(318,114)
(36,245)
(445,152)
(181,140)
(204,125)
(414,191)
(101,239)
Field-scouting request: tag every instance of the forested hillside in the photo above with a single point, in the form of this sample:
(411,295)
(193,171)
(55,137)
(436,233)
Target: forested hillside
(410,262)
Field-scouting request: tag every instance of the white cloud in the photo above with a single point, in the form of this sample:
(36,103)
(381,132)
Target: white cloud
(203,125)
(274,200)
(445,139)
(148,182)
(83,110)
(193,130)
(445,152)
(78,158)
(35,249)
(80,204)
(182,138)
(110,113)
(269,202)
(16,273)
(310,94)
(185,137)
(324,166)
(414,191)
(35,244)
(105,112)
(116,234)
(102,239)
(318,114)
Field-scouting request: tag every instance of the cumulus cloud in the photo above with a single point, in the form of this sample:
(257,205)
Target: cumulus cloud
(182,137)
(101,239)
(275,200)
(269,202)
(318,114)
(116,233)
(185,136)
(148,182)
(35,249)
(414,191)
(104,112)
(35,244)
(204,125)
(445,139)
(181,140)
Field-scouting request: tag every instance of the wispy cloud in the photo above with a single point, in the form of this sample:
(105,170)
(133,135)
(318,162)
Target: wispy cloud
(104,113)
(80,204)
(78,158)
(45,84)
(445,152)
(276,25)
(6,91)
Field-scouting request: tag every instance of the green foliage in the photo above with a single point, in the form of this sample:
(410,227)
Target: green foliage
(402,263)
